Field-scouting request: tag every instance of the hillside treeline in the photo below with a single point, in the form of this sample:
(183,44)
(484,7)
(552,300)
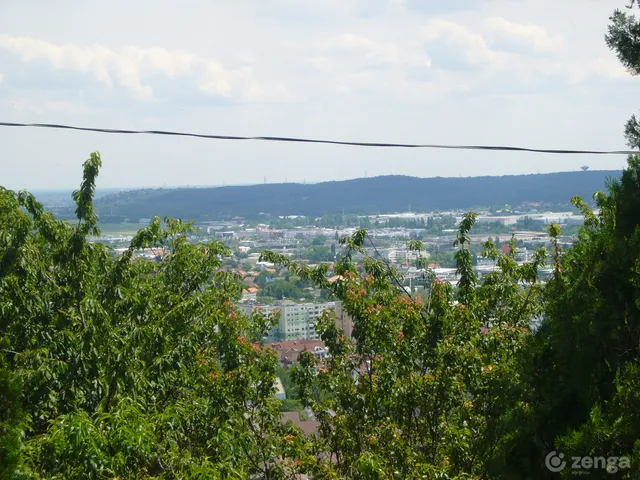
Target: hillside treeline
(385,194)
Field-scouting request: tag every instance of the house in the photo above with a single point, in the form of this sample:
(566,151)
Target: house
(307,426)
(249,296)
(289,351)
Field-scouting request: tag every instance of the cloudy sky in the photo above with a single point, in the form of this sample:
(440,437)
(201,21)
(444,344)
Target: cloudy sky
(533,73)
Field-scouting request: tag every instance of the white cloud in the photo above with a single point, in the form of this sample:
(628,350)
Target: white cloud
(609,67)
(507,34)
(353,64)
(365,49)
(431,7)
(131,67)
(454,46)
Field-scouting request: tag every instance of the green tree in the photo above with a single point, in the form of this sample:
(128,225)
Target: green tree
(421,388)
(117,366)
(583,363)
(318,241)
(318,254)
(582,366)
(623,37)
(263,278)
(12,423)
(282,289)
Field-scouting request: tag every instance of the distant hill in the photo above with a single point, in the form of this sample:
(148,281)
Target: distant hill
(61,198)
(385,194)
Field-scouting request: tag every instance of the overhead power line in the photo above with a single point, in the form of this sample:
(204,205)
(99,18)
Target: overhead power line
(329,142)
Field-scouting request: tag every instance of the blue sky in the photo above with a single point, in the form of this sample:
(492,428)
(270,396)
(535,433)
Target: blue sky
(533,73)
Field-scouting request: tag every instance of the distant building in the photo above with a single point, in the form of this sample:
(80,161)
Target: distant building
(502,219)
(397,254)
(249,294)
(297,320)
(223,234)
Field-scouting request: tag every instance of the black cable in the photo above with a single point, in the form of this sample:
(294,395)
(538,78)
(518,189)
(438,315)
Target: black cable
(330,142)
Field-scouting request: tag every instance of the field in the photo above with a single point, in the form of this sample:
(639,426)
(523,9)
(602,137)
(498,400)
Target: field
(120,228)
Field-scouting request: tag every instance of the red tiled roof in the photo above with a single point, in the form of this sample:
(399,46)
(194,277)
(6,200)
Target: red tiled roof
(307,426)
(290,349)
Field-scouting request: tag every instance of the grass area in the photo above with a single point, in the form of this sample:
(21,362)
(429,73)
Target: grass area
(291,406)
(120,228)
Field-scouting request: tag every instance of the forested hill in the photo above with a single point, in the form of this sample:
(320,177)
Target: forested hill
(384,194)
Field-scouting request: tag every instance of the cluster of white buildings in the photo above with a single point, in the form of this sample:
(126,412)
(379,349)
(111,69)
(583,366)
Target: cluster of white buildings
(562,218)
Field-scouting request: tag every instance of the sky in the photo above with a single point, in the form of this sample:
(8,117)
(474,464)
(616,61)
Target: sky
(533,73)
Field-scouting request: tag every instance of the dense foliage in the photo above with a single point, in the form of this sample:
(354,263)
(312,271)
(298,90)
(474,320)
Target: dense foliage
(121,366)
(124,367)
(421,388)
(114,366)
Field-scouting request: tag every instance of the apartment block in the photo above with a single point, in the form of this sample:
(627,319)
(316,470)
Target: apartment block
(297,320)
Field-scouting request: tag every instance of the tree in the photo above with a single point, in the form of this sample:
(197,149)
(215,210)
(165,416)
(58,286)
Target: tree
(318,241)
(623,37)
(582,366)
(12,422)
(263,278)
(318,254)
(421,388)
(116,366)
(282,289)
